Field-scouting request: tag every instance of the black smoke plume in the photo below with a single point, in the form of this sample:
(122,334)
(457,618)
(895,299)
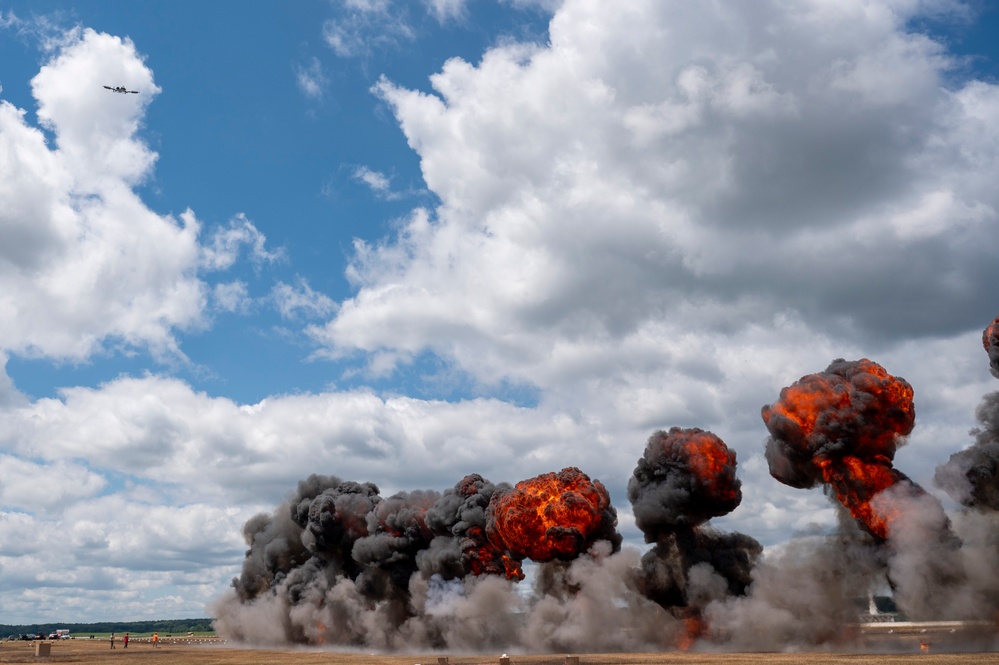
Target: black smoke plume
(684,478)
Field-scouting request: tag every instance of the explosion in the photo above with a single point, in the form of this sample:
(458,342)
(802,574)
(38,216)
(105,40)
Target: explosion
(339,551)
(842,427)
(553,516)
(684,478)
(338,564)
(461,514)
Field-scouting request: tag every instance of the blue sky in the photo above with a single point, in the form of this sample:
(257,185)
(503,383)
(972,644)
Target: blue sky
(230,101)
(402,242)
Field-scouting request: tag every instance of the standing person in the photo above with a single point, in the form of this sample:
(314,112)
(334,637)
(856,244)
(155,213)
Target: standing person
(124,641)
(112,640)
(156,639)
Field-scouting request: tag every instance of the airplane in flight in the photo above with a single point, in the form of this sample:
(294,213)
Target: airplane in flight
(122,89)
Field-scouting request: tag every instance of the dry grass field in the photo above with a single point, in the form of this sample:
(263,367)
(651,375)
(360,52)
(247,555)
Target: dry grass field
(206,653)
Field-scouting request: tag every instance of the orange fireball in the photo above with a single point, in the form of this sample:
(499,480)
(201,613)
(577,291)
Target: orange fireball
(990,336)
(842,427)
(990,340)
(856,483)
(481,557)
(552,516)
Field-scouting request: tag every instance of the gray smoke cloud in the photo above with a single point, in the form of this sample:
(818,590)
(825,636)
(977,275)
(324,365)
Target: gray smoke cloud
(971,476)
(803,593)
(813,591)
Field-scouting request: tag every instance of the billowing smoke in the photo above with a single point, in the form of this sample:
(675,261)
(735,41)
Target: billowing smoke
(971,476)
(684,478)
(275,541)
(339,564)
(461,546)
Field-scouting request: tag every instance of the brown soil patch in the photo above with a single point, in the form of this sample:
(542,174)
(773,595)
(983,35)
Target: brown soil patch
(208,652)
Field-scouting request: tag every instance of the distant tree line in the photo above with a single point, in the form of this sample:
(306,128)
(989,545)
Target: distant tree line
(163,627)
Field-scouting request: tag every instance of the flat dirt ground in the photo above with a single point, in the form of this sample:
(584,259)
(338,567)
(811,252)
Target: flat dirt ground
(180,652)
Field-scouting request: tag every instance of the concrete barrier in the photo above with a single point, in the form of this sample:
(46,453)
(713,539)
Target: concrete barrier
(43,648)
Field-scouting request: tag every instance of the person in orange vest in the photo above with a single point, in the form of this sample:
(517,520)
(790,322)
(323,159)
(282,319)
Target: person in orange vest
(124,641)
(156,639)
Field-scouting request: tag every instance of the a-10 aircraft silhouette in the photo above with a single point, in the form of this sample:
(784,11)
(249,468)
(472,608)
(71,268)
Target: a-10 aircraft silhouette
(122,89)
